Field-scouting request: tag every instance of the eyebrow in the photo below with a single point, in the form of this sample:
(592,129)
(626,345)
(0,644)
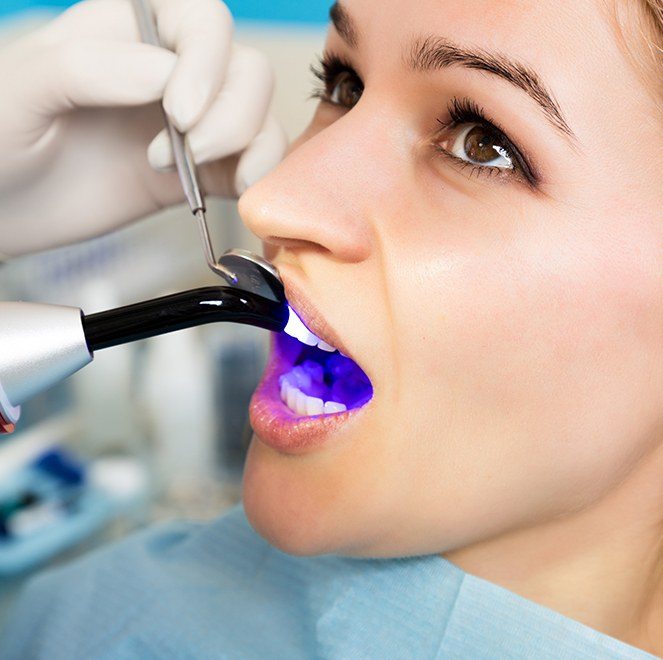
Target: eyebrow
(344,24)
(434,53)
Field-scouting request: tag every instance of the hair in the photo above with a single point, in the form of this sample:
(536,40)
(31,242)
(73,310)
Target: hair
(640,31)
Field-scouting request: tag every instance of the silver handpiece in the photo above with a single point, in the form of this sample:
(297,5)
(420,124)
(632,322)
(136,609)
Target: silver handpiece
(40,345)
(184,163)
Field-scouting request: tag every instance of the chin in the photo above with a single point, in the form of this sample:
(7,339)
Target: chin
(316,504)
(284,505)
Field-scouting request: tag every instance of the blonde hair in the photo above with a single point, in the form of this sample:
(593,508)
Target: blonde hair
(640,31)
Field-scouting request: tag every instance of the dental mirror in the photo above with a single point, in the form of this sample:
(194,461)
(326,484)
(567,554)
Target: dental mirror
(253,273)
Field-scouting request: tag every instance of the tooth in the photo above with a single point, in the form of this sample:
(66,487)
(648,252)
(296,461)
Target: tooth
(284,390)
(309,339)
(291,397)
(325,346)
(300,403)
(302,335)
(314,370)
(334,407)
(302,379)
(294,326)
(314,406)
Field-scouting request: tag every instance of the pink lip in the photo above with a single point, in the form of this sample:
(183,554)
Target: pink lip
(272,421)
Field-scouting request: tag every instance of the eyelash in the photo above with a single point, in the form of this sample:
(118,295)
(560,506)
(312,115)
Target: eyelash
(326,70)
(466,111)
(460,111)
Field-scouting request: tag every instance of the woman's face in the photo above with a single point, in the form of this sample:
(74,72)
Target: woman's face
(475,210)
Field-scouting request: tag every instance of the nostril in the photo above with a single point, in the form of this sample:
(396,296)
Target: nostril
(292,243)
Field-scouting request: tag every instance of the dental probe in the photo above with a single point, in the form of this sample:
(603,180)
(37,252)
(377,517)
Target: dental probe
(230,266)
(40,345)
(186,168)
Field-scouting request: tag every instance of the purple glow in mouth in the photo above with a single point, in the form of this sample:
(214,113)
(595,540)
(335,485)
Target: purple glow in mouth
(325,375)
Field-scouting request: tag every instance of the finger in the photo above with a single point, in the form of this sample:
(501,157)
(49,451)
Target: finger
(235,118)
(94,73)
(200,33)
(262,155)
(230,176)
(238,112)
(160,152)
(101,19)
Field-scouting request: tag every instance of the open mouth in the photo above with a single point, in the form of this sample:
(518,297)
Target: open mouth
(317,378)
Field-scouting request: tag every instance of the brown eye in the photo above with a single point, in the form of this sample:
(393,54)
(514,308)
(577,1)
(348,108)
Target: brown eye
(345,90)
(479,145)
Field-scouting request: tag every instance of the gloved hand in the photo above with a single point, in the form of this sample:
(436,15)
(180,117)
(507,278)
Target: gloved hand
(81,103)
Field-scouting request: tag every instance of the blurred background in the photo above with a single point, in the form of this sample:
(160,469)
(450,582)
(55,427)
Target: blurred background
(108,443)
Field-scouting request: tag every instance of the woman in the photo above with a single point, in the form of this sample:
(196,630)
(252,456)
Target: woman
(473,218)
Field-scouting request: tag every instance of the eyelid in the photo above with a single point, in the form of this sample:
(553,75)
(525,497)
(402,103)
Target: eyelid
(479,170)
(465,110)
(330,65)
(485,170)
(328,69)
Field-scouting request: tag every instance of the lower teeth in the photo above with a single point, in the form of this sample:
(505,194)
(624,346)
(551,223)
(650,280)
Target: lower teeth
(303,404)
(322,383)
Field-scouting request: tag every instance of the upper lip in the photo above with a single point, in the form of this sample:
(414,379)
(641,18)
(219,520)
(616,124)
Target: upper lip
(310,315)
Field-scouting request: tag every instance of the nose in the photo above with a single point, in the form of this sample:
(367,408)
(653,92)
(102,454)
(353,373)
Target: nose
(319,196)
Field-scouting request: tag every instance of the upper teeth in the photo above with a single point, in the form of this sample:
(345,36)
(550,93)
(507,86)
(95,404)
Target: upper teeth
(296,328)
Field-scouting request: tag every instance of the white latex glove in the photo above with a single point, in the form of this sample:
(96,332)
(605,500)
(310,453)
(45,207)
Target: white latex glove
(80,103)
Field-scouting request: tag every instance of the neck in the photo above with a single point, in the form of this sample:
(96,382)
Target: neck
(602,566)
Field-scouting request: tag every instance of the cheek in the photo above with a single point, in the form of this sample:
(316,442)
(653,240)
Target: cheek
(527,364)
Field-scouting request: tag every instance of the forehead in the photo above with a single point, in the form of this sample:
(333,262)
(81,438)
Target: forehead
(545,33)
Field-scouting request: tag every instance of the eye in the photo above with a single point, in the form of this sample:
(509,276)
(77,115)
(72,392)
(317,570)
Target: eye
(345,90)
(479,145)
(470,139)
(341,85)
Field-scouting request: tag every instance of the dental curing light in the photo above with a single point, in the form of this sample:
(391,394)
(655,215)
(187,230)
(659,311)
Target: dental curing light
(40,345)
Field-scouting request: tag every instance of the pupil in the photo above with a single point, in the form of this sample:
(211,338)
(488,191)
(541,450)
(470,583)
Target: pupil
(480,145)
(347,91)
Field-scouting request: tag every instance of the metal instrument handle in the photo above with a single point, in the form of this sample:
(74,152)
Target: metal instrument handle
(184,163)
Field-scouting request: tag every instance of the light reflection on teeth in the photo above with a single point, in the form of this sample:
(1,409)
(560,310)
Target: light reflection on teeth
(304,405)
(296,328)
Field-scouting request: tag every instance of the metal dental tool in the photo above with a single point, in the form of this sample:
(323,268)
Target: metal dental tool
(186,170)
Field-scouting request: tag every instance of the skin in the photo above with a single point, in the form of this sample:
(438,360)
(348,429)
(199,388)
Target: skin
(513,335)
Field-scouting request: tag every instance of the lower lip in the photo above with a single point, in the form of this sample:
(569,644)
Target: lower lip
(278,427)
